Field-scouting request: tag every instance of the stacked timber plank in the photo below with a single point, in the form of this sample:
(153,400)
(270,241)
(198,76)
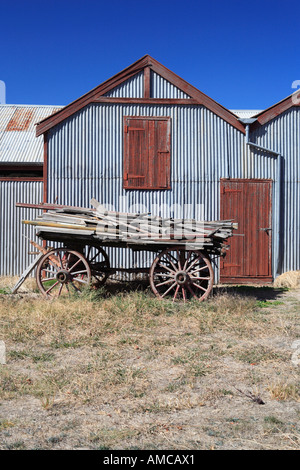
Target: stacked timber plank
(138,231)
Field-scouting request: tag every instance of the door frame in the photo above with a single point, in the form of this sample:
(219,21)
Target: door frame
(250,279)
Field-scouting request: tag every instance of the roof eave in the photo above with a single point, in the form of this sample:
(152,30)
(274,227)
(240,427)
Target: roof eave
(277,109)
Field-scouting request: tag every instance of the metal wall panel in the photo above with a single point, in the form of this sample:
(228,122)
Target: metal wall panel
(282,135)
(131,88)
(14,246)
(18,142)
(161,88)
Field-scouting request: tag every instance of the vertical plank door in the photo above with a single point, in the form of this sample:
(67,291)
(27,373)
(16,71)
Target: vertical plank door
(249,203)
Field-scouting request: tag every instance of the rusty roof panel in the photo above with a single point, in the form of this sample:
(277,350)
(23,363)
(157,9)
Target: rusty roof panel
(20,120)
(18,141)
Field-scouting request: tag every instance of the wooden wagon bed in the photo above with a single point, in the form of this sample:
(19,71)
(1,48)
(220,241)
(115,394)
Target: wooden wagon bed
(182,268)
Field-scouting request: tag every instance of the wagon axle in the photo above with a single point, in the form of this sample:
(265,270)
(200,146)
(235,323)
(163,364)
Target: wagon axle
(182,278)
(181,274)
(63,276)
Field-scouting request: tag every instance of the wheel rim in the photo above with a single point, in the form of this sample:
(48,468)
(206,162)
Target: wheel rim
(98,261)
(62,271)
(181,275)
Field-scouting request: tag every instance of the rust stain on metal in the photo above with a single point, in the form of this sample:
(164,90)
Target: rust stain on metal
(55,110)
(20,120)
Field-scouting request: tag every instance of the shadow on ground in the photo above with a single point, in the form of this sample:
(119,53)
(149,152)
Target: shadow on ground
(258,292)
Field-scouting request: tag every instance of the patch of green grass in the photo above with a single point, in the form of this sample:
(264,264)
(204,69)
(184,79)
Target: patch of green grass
(226,392)
(268,303)
(176,385)
(108,436)
(11,385)
(18,445)
(4,291)
(259,354)
(198,371)
(66,344)
(55,439)
(18,354)
(49,283)
(272,420)
(44,357)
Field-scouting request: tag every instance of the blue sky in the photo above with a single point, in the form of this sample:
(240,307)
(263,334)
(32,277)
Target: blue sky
(243,54)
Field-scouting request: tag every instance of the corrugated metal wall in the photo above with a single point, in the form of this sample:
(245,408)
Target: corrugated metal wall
(14,246)
(161,88)
(282,135)
(134,88)
(19,145)
(85,155)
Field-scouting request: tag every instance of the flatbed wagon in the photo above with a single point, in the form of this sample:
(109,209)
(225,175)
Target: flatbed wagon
(181,269)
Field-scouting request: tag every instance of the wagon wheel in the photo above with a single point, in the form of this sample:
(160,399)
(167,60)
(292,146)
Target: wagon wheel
(99,264)
(181,274)
(62,270)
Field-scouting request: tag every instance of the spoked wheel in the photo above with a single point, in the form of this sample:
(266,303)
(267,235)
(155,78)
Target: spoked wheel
(99,263)
(62,271)
(181,275)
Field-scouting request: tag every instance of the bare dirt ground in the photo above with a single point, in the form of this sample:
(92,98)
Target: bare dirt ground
(126,371)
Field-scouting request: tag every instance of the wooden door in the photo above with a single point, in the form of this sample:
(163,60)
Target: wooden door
(248,202)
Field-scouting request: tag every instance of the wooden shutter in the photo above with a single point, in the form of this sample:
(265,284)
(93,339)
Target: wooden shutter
(147,153)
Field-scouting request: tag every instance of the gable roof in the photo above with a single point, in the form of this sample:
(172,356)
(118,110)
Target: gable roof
(147,63)
(278,108)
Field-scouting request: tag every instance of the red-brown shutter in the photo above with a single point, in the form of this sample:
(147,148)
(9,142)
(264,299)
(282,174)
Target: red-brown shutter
(146,153)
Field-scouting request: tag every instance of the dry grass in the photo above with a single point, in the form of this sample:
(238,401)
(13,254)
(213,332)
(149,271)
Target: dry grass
(8,282)
(124,370)
(288,279)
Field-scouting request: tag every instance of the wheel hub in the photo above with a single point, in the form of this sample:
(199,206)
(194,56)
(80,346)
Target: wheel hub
(63,276)
(182,278)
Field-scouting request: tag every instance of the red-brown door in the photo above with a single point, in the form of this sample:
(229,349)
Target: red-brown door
(249,203)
